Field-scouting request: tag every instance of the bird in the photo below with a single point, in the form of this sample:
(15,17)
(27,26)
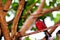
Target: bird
(40,25)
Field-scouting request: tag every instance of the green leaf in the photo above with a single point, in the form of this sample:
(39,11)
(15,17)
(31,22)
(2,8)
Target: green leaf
(9,26)
(33,9)
(4,1)
(58,4)
(18,28)
(56,19)
(49,14)
(56,38)
(20,23)
(27,6)
(58,1)
(38,1)
(8,15)
(35,39)
(34,28)
(54,1)
(51,4)
(29,2)
(15,6)
(27,38)
(46,6)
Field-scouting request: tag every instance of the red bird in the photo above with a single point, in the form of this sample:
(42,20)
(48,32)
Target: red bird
(40,25)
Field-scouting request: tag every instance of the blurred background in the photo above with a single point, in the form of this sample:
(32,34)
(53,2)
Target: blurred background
(49,19)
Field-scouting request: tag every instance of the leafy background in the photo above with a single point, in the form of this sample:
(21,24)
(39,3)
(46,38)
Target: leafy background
(52,17)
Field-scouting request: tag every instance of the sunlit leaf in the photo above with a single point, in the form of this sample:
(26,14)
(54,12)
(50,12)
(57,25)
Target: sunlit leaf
(31,2)
(46,6)
(8,15)
(15,6)
(44,16)
(56,38)
(4,1)
(57,18)
(58,1)
(58,4)
(27,38)
(34,28)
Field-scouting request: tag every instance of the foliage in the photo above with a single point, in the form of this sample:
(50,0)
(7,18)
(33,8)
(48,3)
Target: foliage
(27,38)
(15,6)
(8,15)
(49,14)
(27,5)
(56,38)
(4,1)
(57,18)
(34,28)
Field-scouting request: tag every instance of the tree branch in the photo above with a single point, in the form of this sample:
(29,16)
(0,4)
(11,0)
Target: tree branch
(46,11)
(0,31)
(51,31)
(31,6)
(30,19)
(3,25)
(1,7)
(6,7)
(16,19)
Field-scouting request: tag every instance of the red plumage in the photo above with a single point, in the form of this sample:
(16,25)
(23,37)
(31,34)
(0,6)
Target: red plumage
(40,25)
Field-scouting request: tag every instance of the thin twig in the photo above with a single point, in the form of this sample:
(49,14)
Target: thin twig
(0,31)
(46,11)
(28,11)
(51,27)
(6,7)
(30,19)
(16,19)
(26,25)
